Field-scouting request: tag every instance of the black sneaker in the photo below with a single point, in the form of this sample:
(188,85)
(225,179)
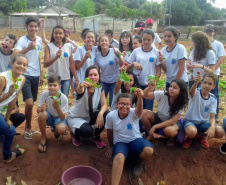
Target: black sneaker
(222,149)
(138,169)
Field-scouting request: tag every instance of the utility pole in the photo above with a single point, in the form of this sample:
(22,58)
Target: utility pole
(169,11)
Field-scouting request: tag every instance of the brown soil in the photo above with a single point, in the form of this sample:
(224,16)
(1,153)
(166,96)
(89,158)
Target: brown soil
(172,165)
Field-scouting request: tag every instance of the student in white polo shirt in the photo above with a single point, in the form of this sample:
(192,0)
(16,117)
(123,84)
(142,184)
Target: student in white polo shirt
(149,24)
(199,121)
(114,43)
(146,61)
(175,56)
(202,56)
(218,48)
(109,62)
(171,105)
(30,45)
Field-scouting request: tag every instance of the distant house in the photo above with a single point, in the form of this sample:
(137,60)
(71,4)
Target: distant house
(219,22)
(54,15)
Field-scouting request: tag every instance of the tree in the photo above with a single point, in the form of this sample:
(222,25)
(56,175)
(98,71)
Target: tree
(31,4)
(9,6)
(84,8)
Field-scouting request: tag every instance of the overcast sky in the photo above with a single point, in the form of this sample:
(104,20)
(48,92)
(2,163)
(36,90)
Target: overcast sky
(218,3)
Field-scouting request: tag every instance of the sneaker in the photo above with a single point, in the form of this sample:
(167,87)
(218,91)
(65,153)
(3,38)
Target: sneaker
(138,169)
(222,149)
(187,142)
(75,141)
(99,142)
(217,118)
(204,142)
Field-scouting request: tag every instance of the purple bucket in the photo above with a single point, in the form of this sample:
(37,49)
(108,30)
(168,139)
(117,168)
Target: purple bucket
(82,172)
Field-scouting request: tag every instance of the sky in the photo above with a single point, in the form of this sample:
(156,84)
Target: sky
(218,3)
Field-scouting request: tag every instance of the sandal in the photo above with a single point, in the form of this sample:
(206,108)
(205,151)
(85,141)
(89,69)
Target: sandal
(16,153)
(44,147)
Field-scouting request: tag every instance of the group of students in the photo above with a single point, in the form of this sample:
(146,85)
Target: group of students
(98,70)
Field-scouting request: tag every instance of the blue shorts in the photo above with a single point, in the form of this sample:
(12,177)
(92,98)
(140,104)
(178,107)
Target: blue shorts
(201,127)
(53,121)
(136,146)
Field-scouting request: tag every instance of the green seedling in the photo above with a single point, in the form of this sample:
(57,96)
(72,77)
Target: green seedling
(56,97)
(45,17)
(61,57)
(124,77)
(44,76)
(16,86)
(90,81)
(153,78)
(4,109)
(132,91)
(118,55)
(17,146)
(90,57)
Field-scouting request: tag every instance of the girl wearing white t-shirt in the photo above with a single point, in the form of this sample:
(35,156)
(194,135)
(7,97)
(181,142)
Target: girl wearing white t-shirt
(109,61)
(85,55)
(125,44)
(124,87)
(202,56)
(146,61)
(11,83)
(171,104)
(58,58)
(85,119)
(175,57)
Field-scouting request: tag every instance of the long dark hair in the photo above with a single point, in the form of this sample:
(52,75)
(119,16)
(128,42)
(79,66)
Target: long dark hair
(202,45)
(182,100)
(125,34)
(176,33)
(135,84)
(99,48)
(60,27)
(90,99)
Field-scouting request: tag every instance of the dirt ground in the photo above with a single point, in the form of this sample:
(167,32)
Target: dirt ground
(171,165)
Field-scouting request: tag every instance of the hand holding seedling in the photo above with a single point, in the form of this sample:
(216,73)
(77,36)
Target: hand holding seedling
(42,23)
(196,66)
(152,80)
(198,77)
(161,58)
(56,104)
(123,68)
(44,107)
(137,66)
(88,54)
(124,54)
(59,53)
(139,93)
(12,89)
(124,77)
(86,84)
(32,45)
(117,53)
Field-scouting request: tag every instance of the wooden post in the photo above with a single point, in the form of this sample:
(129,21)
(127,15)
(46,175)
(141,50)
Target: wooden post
(74,24)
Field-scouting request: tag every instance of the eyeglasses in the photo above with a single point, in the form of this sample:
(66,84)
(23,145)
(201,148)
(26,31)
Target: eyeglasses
(125,104)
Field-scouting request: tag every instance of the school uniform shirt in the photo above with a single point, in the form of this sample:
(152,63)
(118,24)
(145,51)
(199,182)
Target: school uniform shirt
(207,61)
(33,68)
(199,109)
(45,98)
(109,66)
(60,66)
(148,60)
(115,43)
(124,130)
(171,60)
(79,112)
(156,40)
(79,55)
(163,105)
(5,61)
(218,48)
(9,81)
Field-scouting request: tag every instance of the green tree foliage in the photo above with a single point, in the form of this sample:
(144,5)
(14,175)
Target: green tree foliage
(31,4)
(155,9)
(10,6)
(84,8)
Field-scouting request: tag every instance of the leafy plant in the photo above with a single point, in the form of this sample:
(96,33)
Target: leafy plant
(17,146)
(16,86)
(132,90)
(160,84)
(44,76)
(153,78)
(124,77)
(90,81)
(56,97)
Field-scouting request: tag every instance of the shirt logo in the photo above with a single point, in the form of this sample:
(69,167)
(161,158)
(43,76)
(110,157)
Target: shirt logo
(206,109)
(129,126)
(151,59)
(173,61)
(111,62)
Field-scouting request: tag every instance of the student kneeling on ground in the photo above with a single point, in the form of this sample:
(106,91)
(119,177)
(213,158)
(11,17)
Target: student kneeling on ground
(124,136)
(11,83)
(199,122)
(52,108)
